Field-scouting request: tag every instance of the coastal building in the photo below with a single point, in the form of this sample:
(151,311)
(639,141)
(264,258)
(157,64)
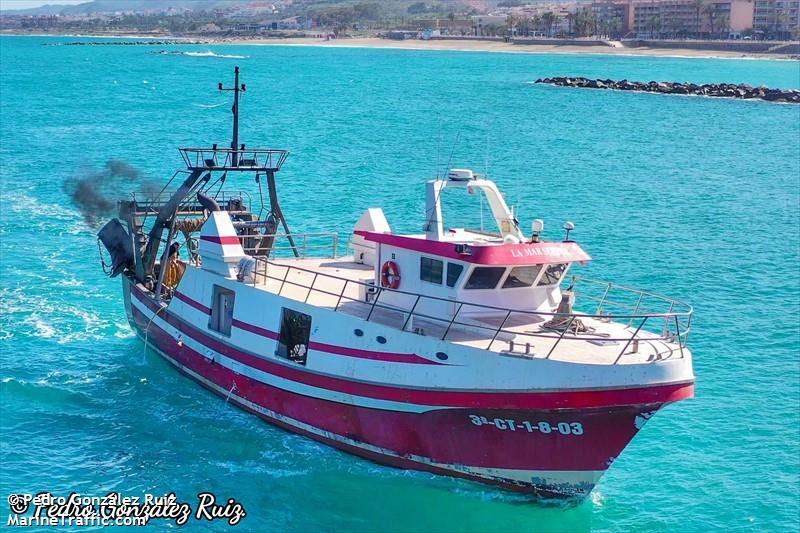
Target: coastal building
(290,23)
(209,28)
(777,18)
(683,18)
(483,25)
(615,16)
(444,26)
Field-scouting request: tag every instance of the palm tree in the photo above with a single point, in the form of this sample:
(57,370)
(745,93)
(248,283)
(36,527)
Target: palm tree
(524,25)
(698,5)
(711,12)
(723,24)
(511,22)
(537,23)
(547,20)
(570,20)
(655,25)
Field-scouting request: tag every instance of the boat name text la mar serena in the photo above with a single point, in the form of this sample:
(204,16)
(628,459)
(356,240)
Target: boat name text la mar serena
(464,352)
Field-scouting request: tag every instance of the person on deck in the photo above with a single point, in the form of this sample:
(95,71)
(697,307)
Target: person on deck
(175,267)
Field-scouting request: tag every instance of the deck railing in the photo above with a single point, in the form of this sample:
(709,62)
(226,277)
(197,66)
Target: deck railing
(305,244)
(149,202)
(250,159)
(666,330)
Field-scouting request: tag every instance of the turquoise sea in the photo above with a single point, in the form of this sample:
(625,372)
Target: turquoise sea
(693,197)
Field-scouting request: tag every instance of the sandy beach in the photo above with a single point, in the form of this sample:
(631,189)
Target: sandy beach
(456,45)
(495,46)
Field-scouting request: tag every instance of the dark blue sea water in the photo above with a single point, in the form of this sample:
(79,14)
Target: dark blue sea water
(693,197)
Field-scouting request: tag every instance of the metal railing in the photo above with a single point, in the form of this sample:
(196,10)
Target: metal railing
(250,159)
(148,203)
(665,331)
(304,244)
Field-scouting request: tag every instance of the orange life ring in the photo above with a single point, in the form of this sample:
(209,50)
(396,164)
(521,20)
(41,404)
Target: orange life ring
(390,275)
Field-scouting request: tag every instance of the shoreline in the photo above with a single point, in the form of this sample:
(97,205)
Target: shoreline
(502,47)
(454,45)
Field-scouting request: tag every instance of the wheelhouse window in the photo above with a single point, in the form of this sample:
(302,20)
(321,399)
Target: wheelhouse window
(294,336)
(431,270)
(485,278)
(454,271)
(553,274)
(522,276)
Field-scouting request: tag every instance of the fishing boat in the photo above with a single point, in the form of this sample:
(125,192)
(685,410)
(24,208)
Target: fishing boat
(475,353)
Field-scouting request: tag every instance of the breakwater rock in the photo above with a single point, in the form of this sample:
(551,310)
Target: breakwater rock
(719,90)
(125,43)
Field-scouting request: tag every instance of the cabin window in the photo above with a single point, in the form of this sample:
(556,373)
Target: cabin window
(294,336)
(553,273)
(454,271)
(485,277)
(221,310)
(430,270)
(522,276)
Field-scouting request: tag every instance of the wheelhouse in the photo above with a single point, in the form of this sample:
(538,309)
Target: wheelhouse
(503,269)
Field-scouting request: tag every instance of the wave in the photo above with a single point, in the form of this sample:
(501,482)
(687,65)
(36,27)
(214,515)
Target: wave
(211,106)
(208,53)
(214,54)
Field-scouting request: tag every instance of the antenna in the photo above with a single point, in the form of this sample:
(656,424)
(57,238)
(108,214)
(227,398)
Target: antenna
(438,144)
(236,90)
(452,151)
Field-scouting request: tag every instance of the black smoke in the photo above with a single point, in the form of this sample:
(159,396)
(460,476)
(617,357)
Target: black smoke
(96,192)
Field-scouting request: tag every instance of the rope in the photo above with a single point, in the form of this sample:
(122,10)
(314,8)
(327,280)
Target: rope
(147,328)
(103,263)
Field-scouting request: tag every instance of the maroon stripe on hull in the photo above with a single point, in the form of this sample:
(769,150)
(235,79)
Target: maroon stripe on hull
(448,436)
(474,399)
(388,460)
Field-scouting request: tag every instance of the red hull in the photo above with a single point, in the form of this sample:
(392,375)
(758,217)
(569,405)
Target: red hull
(547,451)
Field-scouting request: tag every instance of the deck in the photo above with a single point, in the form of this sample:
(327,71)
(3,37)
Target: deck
(345,286)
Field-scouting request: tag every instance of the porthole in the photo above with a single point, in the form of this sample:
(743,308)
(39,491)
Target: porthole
(381,340)
(441,355)
(358,332)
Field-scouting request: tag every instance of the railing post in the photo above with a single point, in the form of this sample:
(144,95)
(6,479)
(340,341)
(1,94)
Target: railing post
(411,313)
(341,295)
(603,299)
(335,244)
(446,331)
(285,275)
(311,288)
(371,309)
(636,309)
(496,333)
(688,328)
(666,320)
(566,329)
(678,333)
(630,340)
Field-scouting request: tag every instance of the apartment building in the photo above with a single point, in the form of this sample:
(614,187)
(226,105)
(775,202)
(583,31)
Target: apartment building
(777,17)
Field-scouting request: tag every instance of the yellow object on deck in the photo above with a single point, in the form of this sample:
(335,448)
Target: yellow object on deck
(175,270)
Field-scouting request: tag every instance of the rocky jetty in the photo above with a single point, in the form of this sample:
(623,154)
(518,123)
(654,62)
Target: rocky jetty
(125,43)
(719,90)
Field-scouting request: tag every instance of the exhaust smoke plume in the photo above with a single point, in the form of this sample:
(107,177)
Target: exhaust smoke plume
(96,193)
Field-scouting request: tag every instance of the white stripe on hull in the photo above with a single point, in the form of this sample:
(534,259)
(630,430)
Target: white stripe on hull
(277,381)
